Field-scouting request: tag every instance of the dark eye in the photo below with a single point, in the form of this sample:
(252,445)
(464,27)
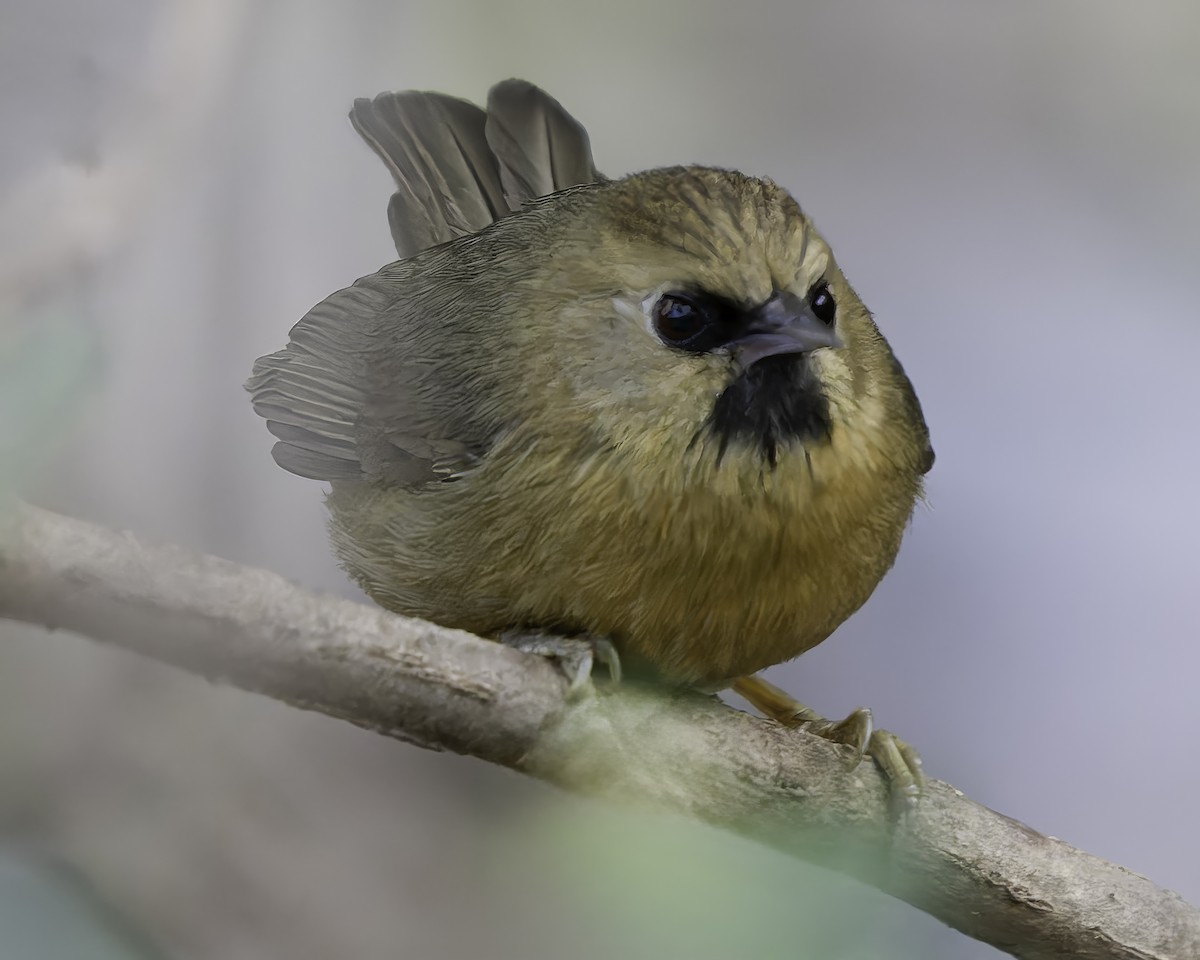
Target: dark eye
(680,320)
(821,302)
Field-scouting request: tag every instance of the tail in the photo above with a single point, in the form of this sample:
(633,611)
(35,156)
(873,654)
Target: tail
(458,168)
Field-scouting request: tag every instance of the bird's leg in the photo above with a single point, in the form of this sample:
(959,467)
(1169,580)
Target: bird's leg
(575,655)
(898,761)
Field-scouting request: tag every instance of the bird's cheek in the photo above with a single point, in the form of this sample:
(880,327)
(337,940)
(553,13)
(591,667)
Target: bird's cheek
(837,384)
(832,370)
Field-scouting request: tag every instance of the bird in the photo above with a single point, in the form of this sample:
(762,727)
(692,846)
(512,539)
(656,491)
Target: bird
(643,420)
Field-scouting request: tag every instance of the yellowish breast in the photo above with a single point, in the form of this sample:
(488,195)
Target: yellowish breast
(706,573)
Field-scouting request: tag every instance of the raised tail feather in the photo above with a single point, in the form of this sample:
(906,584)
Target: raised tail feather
(458,168)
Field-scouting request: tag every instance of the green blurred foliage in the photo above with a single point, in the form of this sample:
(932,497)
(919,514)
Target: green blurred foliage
(598,882)
(48,363)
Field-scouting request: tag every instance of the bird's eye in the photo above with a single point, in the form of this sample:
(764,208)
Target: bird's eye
(821,302)
(678,320)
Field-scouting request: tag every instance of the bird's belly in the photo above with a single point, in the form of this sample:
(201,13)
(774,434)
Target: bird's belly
(702,590)
(706,594)
(731,617)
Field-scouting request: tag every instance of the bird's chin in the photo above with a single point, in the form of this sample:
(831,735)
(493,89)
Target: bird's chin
(775,403)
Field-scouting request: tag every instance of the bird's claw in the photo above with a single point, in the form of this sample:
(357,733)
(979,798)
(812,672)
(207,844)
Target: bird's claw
(900,763)
(897,759)
(575,656)
(855,732)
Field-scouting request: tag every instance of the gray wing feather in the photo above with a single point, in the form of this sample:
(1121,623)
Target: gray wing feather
(310,392)
(539,146)
(369,386)
(354,396)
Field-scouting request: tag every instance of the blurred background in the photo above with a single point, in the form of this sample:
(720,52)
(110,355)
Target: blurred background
(1013,189)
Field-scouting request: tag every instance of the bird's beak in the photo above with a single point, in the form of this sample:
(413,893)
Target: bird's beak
(784,324)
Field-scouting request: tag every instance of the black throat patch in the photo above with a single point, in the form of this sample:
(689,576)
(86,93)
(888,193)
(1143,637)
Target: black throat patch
(774,404)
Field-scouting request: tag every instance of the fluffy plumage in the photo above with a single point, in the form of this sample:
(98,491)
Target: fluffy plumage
(511,442)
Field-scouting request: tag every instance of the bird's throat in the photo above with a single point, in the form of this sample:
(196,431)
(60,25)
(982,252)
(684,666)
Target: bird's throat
(776,403)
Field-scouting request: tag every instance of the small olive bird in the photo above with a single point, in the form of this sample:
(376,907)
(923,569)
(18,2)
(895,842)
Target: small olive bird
(643,420)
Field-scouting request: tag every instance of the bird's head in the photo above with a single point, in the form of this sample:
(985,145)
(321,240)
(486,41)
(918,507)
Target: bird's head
(697,312)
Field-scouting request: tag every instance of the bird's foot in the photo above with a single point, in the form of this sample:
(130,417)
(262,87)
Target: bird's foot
(575,655)
(897,759)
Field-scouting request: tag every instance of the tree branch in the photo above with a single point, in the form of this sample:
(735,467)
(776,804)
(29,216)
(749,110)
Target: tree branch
(980,872)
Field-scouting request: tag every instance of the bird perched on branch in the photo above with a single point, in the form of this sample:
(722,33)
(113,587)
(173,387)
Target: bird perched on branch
(646,419)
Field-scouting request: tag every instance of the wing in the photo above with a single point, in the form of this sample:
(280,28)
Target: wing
(369,386)
(360,393)
(457,168)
